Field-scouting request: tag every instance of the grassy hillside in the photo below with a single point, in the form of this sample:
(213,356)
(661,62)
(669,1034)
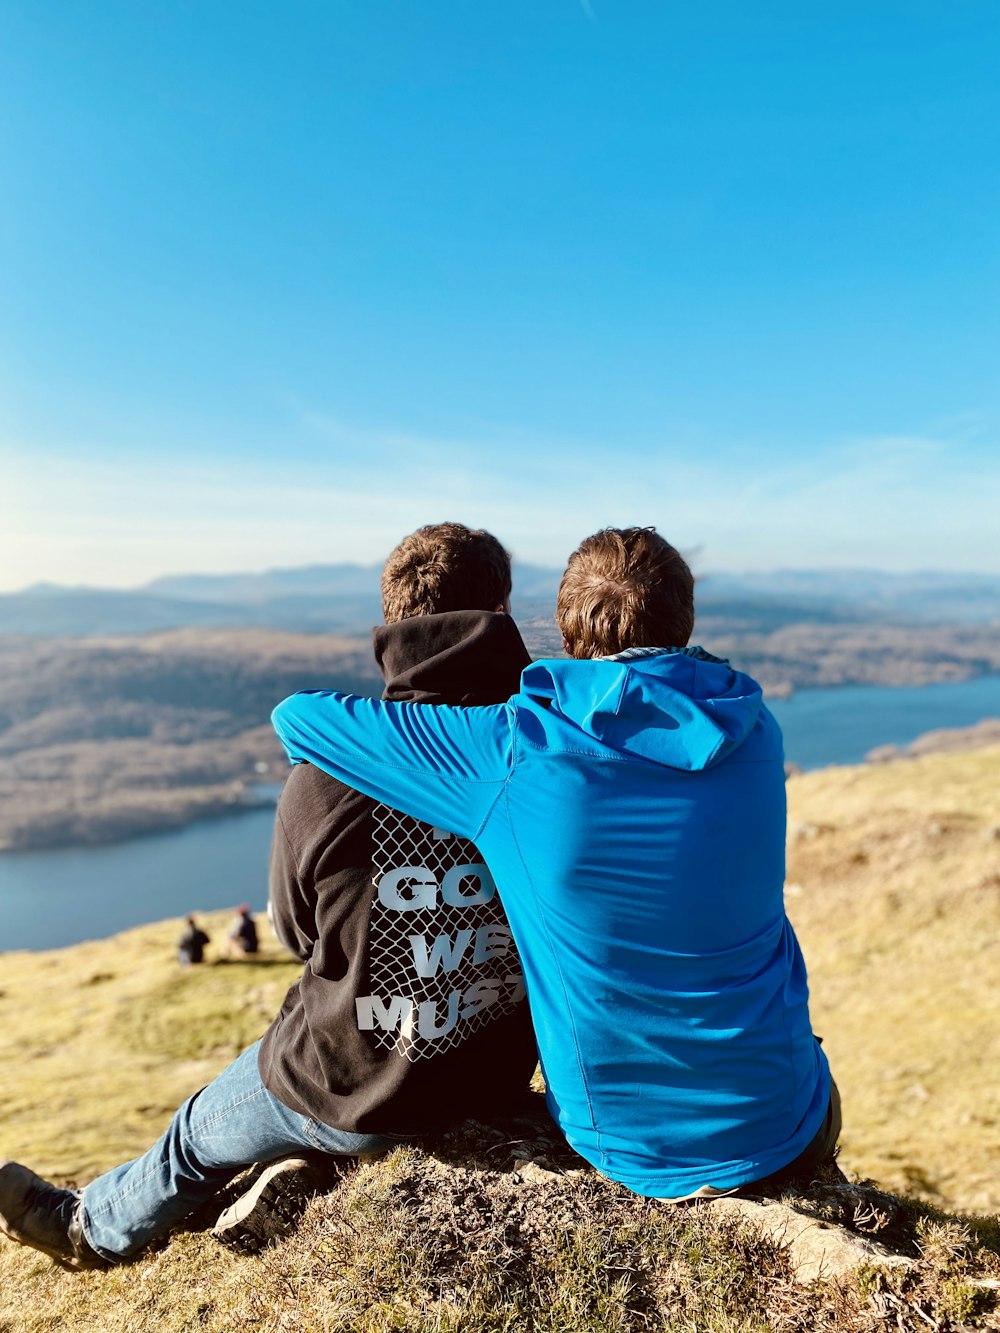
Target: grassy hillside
(894,886)
(471,1239)
(105,1039)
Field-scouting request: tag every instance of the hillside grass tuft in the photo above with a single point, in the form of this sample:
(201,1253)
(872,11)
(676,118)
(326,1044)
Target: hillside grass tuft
(462,1236)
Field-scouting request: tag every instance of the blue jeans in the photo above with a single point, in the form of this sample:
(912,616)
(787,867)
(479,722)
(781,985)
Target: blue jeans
(223,1128)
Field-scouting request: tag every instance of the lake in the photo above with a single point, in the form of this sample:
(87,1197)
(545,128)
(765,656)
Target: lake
(48,899)
(840,725)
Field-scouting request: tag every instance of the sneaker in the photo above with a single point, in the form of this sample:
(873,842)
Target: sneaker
(271,1207)
(47,1218)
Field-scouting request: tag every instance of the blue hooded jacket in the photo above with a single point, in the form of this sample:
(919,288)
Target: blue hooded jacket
(632,814)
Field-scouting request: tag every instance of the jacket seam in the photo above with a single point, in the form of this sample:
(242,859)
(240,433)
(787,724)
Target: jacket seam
(637,758)
(371,762)
(543,920)
(503,782)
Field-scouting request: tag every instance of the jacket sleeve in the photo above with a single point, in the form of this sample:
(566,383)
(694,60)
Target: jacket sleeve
(290,909)
(445,766)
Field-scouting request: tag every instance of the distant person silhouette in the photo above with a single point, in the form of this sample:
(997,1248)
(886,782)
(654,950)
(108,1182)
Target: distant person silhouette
(242,938)
(191,945)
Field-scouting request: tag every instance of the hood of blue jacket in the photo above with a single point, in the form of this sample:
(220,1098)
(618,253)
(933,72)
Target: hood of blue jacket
(683,709)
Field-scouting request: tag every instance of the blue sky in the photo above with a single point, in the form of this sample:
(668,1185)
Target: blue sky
(279,283)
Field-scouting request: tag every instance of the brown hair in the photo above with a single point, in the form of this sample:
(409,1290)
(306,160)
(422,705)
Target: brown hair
(445,567)
(625,588)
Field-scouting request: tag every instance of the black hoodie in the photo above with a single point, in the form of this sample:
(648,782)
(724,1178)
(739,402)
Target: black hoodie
(410,1013)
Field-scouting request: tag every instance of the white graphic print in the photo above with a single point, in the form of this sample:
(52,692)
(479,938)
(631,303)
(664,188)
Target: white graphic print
(442,962)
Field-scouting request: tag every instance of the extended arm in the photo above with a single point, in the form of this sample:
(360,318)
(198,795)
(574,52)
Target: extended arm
(445,766)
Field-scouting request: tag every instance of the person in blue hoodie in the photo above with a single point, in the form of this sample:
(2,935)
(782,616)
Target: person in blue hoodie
(630,805)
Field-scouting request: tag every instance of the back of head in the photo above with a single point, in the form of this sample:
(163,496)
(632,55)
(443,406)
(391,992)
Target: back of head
(445,567)
(625,588)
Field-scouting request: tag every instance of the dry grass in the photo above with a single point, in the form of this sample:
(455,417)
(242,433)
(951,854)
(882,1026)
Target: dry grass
(101,1042)
(894,889)
(894,875)
(461,1239)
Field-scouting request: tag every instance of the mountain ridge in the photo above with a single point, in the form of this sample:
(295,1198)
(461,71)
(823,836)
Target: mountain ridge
(345,596)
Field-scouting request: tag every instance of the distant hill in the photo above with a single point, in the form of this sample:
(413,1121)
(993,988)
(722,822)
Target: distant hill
(342,580)
(320,599)
(61,612)
(927,595)
(329,581)
(107,738)
(127,711)
(345,598)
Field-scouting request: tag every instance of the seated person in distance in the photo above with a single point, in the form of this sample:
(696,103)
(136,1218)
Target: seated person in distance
(242,937)
(191,945)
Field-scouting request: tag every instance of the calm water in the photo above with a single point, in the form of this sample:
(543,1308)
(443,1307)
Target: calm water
(55,898)
(840,726)
(84,893)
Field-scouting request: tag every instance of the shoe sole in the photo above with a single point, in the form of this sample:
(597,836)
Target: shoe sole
(271,1208)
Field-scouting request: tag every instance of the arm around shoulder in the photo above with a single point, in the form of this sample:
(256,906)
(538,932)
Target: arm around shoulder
(439,764)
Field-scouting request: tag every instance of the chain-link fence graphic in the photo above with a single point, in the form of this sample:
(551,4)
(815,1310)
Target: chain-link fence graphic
(441,961)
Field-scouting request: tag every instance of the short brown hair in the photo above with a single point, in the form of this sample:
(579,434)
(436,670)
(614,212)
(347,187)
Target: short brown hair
(625,588)
(445,567)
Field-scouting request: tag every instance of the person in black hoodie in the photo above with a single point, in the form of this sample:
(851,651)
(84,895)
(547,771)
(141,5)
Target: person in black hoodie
(410,1013)
(191,945)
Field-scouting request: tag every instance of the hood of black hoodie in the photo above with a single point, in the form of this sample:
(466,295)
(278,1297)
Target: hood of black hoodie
(458,657)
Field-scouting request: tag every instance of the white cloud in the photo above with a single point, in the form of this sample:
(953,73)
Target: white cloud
(896,502)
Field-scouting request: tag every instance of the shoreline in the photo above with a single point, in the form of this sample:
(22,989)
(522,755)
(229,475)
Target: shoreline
(133,823)
(169,812)
(142,824)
